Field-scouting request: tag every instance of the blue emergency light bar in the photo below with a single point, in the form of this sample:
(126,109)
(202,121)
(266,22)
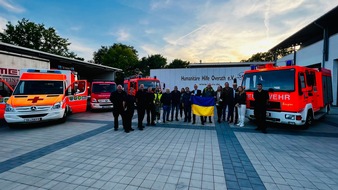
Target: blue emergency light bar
(43,71)
(253,67)
(289,62)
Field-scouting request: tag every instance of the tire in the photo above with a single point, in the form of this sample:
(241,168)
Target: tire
(64,117)
(309,119)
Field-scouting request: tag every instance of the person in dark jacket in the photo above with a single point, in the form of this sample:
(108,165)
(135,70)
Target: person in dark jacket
(208,92)
(181,103)
(261,97)
(196,92)
(166,101)
(240,100)
(150,107)
(129,110)
(228,100)
(175,103)
(118,98)
(186,101)
(140,99)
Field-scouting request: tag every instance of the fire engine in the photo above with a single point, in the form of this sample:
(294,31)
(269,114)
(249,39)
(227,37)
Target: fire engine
(44,95)
(100,93)
(5,92)
(298,94)
(137,80)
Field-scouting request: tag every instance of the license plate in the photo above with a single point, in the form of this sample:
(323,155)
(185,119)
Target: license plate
(32,119)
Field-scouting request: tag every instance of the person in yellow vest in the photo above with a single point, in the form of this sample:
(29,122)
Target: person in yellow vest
(158,105)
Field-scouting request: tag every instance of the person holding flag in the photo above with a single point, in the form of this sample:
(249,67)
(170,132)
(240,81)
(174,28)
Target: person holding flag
(208,92)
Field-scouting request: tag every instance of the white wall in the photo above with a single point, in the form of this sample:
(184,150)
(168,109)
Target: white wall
(313,54)
(201,76)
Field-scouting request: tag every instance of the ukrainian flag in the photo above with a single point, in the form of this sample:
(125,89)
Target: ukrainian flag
(202,106)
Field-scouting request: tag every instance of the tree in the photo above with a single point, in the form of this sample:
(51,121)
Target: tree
(177,63)
(269,56)
(119,56)
(156,61)
(36,36)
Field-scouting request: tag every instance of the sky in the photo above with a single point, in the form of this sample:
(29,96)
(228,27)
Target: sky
(190,30)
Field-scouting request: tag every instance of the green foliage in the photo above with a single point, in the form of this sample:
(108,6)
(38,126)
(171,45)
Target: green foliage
(36,36)
(177,63)
(119,56)
(151,62)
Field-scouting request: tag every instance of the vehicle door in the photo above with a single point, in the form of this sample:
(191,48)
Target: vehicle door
(5,92)
(76,96)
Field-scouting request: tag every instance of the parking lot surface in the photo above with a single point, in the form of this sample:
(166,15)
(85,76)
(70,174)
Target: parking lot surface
(86,153)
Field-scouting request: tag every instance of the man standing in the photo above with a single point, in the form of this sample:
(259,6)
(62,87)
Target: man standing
(141,106)
(175,103)
(157,102)
(118,98)
(186,101)
(166,101)
(129,110)
(196,92)
(228,101)
(235,108)
(261,101)
(150,107)
(208,92)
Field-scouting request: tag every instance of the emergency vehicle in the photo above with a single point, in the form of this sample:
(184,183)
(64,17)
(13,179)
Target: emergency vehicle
(100,93)
(298,94)
(5,92)
(44,95)
(137,80)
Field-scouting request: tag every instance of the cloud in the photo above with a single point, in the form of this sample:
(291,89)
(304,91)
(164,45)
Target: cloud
(159,4)
(234,30)
(11,7)
(121,35)
(3,23)
(81,48)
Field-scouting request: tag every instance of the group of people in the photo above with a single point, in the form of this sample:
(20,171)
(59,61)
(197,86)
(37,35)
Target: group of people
(229,101)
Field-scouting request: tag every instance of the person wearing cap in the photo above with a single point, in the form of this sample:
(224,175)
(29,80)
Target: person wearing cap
(261,97)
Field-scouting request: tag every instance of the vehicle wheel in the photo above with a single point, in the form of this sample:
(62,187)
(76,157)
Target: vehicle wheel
(11,125)
(64,118)
(309,119)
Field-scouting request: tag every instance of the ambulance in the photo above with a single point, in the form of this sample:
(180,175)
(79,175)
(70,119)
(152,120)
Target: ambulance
(136,80)
(5,92)
(100,93)
(45,95)
(298,94)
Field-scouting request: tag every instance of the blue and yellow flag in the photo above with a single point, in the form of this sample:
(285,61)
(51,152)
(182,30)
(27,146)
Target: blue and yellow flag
(202,106)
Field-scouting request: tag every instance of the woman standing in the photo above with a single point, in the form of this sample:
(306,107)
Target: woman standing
(219,103)
(181,103)
(241,104)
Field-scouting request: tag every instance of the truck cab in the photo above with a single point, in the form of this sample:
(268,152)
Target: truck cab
(100,93)
(44,95)
(297,94)
(137,80)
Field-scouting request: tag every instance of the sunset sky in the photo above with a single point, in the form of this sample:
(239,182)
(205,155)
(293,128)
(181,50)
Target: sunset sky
(191,30)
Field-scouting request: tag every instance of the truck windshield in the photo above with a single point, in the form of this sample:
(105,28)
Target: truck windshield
(104,87)
(39,87)
(276,81)
(149,83)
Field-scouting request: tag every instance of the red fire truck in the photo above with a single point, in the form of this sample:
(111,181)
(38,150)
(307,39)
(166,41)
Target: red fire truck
(137,80)
(100,93)
(5,92)
(298,94)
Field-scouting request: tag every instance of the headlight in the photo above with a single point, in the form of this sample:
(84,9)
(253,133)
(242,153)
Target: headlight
(57,105)
(94,100)
(289,116)
(9,108)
